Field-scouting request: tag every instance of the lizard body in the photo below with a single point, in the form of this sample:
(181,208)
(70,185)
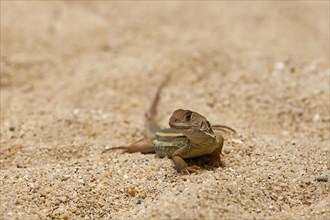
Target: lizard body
(190,135)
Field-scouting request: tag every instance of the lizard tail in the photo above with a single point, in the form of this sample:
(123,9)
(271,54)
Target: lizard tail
(151,114)
(113,148)
(223,128)
(144,145)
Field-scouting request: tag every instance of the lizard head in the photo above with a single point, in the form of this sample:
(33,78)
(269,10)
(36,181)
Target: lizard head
(191,124)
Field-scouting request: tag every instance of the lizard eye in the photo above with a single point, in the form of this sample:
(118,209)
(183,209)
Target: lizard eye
(188,117)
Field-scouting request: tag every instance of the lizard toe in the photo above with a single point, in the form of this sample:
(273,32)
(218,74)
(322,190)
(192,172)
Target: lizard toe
(190,170)
(215,163)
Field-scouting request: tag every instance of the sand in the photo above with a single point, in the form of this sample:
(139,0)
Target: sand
(77,78)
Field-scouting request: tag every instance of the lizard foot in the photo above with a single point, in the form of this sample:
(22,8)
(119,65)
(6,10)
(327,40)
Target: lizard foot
(215,163)
(191,169)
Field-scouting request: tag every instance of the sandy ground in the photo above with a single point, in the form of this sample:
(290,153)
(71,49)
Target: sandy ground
(77,78)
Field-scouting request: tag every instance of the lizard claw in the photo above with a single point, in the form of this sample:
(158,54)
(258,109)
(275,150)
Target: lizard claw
(215,163)
(190,170)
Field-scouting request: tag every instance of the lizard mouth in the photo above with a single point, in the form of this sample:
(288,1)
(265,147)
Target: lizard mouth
(178,125)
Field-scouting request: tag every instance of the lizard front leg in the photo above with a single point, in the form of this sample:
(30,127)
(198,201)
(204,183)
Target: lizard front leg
(180,164)
(215,156)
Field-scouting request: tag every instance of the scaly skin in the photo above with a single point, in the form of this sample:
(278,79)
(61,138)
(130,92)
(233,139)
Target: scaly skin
(190,135)
(202,140)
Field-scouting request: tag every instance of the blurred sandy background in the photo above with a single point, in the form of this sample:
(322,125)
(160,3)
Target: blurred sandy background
(77,77)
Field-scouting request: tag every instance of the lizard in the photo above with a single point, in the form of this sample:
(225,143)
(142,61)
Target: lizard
(190,135)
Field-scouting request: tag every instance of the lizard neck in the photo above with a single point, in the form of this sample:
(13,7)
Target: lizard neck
(200,137)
